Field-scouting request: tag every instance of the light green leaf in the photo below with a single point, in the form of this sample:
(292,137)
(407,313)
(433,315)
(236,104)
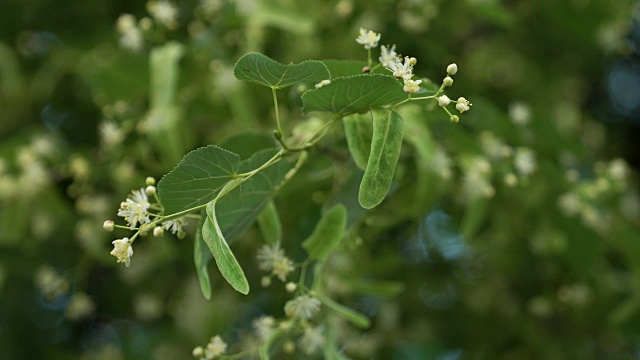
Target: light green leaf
(202,257)
(259,69)
(269,223)
(356,93)
(386,144)
(327,233)
(226,261)
(239,209)
(347,313)
(197,178)
(358,129)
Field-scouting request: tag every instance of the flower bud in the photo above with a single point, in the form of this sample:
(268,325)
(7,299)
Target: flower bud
(150,180)
(158,231)
(413,61)
(150,190)
(366,69)
(198,352)
(448,81)
(265,281)
(444,100)
(452,69)
(291,287)
(181,234)
(454,118)
(108,225)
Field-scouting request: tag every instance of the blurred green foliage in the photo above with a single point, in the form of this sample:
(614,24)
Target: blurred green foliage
(458,262)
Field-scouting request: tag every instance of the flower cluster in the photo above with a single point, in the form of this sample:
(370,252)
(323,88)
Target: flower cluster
(303,307)
(214,348)
(130,35)
(273,259)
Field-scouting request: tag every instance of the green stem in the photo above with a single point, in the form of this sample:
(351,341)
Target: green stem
(369,57)
(275,104)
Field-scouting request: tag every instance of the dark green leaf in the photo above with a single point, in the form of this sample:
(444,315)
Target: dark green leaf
(201,257)
(269,222)
(327,233)
(238,209)
(386,144)
(197,178)
(351,94)
(358,129)
(259,69)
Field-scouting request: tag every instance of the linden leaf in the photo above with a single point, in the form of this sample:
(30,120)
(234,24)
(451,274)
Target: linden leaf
(260,69)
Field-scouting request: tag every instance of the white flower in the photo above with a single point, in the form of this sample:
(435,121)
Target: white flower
(323,83)
(264,326)
(303,307)
(524,161)
(570,203)
(452,69)
(444,100)
(412,86)
(122,250)
(215,347)
(463,104)
(520,113)
(312,340)
(164,12)
(125,22)
(387,55)
(132,40)
(368,38)
(401,70)
(135,209)
(272,258)
(175,225)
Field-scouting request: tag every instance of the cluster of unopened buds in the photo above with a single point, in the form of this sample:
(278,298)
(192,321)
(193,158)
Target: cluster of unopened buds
(402,68)
(142,216)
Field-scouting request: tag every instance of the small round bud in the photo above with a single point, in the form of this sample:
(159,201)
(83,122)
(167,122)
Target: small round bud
(265,281)
(291,287)
(444,100)
(150,180)
(158,231)
(146,23)
(181,234)
(144,229)
(448,81)
(413,61)
(366,69)
(108,225)
(511,179)
(289,347)
(452,69)
(150,190)
(198,352)
(454,118)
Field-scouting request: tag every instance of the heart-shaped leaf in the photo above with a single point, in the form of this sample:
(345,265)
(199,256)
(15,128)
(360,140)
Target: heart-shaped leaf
(388,128)
(260,69)
(351,94)
(197,178)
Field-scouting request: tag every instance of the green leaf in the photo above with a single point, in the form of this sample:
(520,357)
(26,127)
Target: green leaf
(259,69)
(358,129)
(386,144)
(226,261)
(197,178)
(356,93)
(269,223)
(347,313)
(202,257)
(239,209)
(327,233)
(342,68)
